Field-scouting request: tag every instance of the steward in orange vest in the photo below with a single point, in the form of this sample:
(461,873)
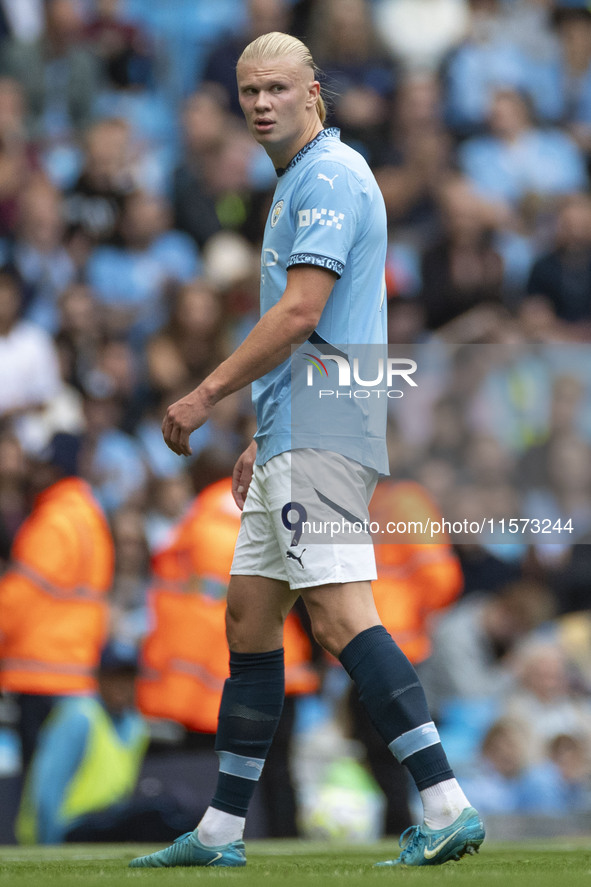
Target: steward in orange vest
(416,576)
(53,600)
(185,658)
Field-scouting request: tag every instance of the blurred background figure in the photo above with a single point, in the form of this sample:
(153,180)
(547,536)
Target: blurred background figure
(183,351)
(561,278)
(205,121)
(504,46)
(462,270)
(94,203)
(18,158)
(413,157)
(13,492)
(39,253)
(358,70)
(520,163)
(81,784)
(132,280)
(23,20)
(561,488)
(80,333)
(169,499)
(53,595)
(112,459)
(570,753)
(566,80)
(121,46)
(421,34)
(507,778)
(60,77)
(471,644)
(127,601)
(29,365)
(544,696)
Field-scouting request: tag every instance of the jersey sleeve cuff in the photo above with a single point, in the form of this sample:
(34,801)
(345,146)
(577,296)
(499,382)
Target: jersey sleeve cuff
(319,261)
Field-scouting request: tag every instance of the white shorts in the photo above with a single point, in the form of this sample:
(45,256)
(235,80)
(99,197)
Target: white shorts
(303,521)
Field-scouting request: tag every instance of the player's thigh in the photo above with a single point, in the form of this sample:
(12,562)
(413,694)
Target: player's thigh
(318,504)
(339,612)
(258,552)
(257,607)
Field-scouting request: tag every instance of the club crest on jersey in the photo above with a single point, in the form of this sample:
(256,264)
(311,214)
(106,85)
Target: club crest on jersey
(276,212)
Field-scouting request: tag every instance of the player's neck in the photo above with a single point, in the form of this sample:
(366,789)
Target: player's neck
(283,156)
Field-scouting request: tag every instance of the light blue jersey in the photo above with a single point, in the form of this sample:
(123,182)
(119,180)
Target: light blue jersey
(328,212)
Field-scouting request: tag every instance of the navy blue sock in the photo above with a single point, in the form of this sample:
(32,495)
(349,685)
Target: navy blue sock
(250,709)
(390,690)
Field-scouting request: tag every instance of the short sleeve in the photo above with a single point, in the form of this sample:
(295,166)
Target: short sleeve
(327,209)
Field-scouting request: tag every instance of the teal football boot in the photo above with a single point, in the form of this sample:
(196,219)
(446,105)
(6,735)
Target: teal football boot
(422,845)
(188,850)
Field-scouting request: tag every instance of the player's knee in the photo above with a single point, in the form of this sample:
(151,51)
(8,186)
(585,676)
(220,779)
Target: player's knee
(329,634)
(236,630)
(334,632)
(249,631)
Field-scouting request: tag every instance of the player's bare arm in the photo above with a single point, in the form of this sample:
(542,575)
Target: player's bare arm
(290,322)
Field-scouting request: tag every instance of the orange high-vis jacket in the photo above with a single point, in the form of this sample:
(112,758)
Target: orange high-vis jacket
(53,607)
(185,655)
(415,576)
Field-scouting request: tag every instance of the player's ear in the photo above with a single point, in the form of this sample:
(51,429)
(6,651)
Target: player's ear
(313,93)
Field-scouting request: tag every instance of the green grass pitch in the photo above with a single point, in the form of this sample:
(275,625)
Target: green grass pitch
(299,863)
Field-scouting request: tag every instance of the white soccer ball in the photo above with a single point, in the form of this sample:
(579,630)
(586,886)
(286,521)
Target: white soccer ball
(336,813)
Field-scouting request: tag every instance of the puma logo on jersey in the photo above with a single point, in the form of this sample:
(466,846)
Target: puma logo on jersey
(326,179)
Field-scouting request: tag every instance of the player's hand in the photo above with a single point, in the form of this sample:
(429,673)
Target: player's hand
(181,419)
(242,474)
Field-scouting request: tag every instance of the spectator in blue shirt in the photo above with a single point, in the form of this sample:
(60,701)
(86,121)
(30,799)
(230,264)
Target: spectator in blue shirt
(131,280)
(38,253)
(506,780)
(563,83)
(519,163)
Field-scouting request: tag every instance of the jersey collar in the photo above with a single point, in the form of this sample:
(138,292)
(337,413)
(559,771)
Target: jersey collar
(331,131)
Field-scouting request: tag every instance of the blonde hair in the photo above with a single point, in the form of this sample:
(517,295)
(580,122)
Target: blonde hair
(278,45)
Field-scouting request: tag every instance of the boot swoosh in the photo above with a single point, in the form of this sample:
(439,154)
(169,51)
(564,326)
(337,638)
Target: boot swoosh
(433,851)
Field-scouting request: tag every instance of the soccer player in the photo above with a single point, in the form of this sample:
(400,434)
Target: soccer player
(322,283)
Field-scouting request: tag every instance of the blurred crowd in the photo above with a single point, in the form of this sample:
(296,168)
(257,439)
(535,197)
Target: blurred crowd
(132,203)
